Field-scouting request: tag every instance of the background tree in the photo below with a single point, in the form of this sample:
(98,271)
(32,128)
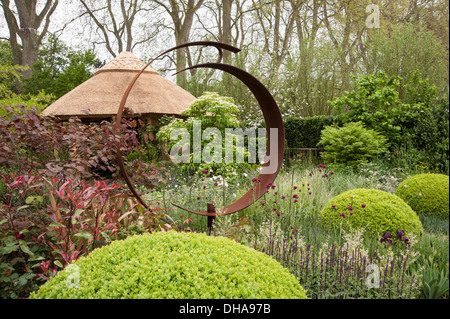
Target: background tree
(25,21)
(60,69)
(116,23)
(182,14)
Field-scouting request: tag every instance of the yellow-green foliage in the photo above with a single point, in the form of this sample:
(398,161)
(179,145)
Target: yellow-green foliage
(376,211)
(426,193)
(175,265)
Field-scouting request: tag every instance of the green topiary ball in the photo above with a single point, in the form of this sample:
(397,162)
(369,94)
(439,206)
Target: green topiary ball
(426,193)
(376,211)
(173,265)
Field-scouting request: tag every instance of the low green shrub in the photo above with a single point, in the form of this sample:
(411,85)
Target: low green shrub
(351,144)
(376,211)
(426,193)
(174,265)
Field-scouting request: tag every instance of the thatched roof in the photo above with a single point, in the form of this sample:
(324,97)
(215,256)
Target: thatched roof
(100,96)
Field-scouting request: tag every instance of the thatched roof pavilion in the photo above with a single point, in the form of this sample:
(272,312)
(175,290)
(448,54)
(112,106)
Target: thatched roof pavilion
(99,97)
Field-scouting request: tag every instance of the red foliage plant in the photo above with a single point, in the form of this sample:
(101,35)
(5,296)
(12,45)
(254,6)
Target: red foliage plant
(63,149)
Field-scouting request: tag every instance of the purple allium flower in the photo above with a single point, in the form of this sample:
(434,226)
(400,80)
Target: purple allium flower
(342,215)
(295,196)
(292,227)
(263,203)
(215,184)
(204,186)
(363,205)
(198,197)
(274,209)
(350,208)
(320,165)
(310,174)
(320,170)
(283,197)
(295,187)
(205,171)
(309,193)
(273,186)
(333,206)
(274,201)
(295,200)
(331,173)
(254,180)
(278,214)
(324,166)
(276,193)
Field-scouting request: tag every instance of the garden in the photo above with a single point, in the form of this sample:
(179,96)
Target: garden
(359,208)
(363,221)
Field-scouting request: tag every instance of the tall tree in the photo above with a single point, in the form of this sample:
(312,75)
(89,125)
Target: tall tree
(115,23)
(182,14)
(277,21)
(24,22)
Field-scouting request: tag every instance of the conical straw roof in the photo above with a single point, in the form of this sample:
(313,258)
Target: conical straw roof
(100,96)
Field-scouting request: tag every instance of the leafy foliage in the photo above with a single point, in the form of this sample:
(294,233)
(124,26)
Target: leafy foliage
(71,149)
(212,111)
(60,69)
(190,265)
(351,144)
(376,103)
(47,223)
(9,77)
(430,137)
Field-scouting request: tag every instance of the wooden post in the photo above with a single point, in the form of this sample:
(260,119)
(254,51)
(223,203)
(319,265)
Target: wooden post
(211,208)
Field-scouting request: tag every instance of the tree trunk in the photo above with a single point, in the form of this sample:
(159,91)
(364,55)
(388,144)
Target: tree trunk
(26,26)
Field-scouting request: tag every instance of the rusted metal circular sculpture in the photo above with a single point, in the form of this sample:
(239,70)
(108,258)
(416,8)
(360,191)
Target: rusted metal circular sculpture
(272,117)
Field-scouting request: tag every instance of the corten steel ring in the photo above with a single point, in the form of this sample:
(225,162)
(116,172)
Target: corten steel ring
(272,117)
